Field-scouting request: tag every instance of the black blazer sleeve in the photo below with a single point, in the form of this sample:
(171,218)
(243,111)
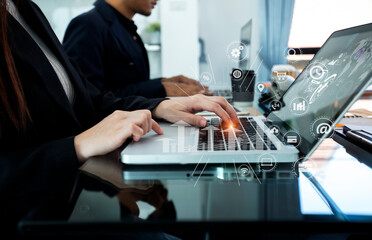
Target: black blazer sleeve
(106,102)
(28,175)
(34,169)
(87,41)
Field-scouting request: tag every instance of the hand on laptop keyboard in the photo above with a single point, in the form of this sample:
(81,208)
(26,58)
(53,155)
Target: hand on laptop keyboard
(184,109)
(244,135)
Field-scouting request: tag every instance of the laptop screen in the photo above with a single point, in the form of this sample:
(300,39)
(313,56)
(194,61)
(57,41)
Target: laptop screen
(326,88)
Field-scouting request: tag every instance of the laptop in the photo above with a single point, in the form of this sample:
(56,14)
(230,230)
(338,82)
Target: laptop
(309,110)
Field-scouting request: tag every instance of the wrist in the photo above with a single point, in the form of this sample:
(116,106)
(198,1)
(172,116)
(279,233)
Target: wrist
(81,151)
(158,112)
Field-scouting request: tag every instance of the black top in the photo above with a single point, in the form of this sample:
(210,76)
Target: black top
(101,42)
(35,162)
(127,23)
(131,27)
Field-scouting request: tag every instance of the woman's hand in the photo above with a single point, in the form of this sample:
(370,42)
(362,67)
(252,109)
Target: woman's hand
(185,108)
(112,132)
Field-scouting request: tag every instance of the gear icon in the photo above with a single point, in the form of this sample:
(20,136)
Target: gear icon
(235,52)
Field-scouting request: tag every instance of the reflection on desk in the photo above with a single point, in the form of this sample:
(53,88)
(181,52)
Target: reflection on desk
(223,206)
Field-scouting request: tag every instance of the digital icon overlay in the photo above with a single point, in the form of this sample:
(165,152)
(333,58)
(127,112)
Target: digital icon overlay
(274,129)
(290,54)
(299,106)
(237,51)
(237,74)
(321,127)
(267,162)
(260,87)
(206,78)
(245,171)
(293,138)
(275,105)
(306,165)
(317,71)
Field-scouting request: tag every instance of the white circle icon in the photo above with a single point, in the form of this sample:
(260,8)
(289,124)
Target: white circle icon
(317,71)
(290,54)
(245,172)
(274,129)
(275,105)
(237,51)
(299,106)
(293,138)
(322,127)
(309,165)
(206,78)
(237,74)
(267,162)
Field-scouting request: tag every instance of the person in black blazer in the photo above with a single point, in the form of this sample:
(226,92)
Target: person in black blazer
(45,135)
(105,44)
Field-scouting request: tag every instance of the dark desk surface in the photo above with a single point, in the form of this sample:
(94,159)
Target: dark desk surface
(333,190)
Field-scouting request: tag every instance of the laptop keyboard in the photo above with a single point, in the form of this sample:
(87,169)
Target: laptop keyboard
(246,135)
(223,93)
(227,94)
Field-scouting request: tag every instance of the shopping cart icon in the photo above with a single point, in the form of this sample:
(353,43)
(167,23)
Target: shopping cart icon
(280,75)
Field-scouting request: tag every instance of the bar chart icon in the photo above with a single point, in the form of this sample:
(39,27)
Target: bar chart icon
(299,106)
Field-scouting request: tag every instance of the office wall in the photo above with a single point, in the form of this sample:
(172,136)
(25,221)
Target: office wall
(59,13)
(179,37)
(219,25)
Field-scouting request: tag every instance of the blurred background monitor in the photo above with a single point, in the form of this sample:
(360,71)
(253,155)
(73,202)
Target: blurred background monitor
(245,38)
